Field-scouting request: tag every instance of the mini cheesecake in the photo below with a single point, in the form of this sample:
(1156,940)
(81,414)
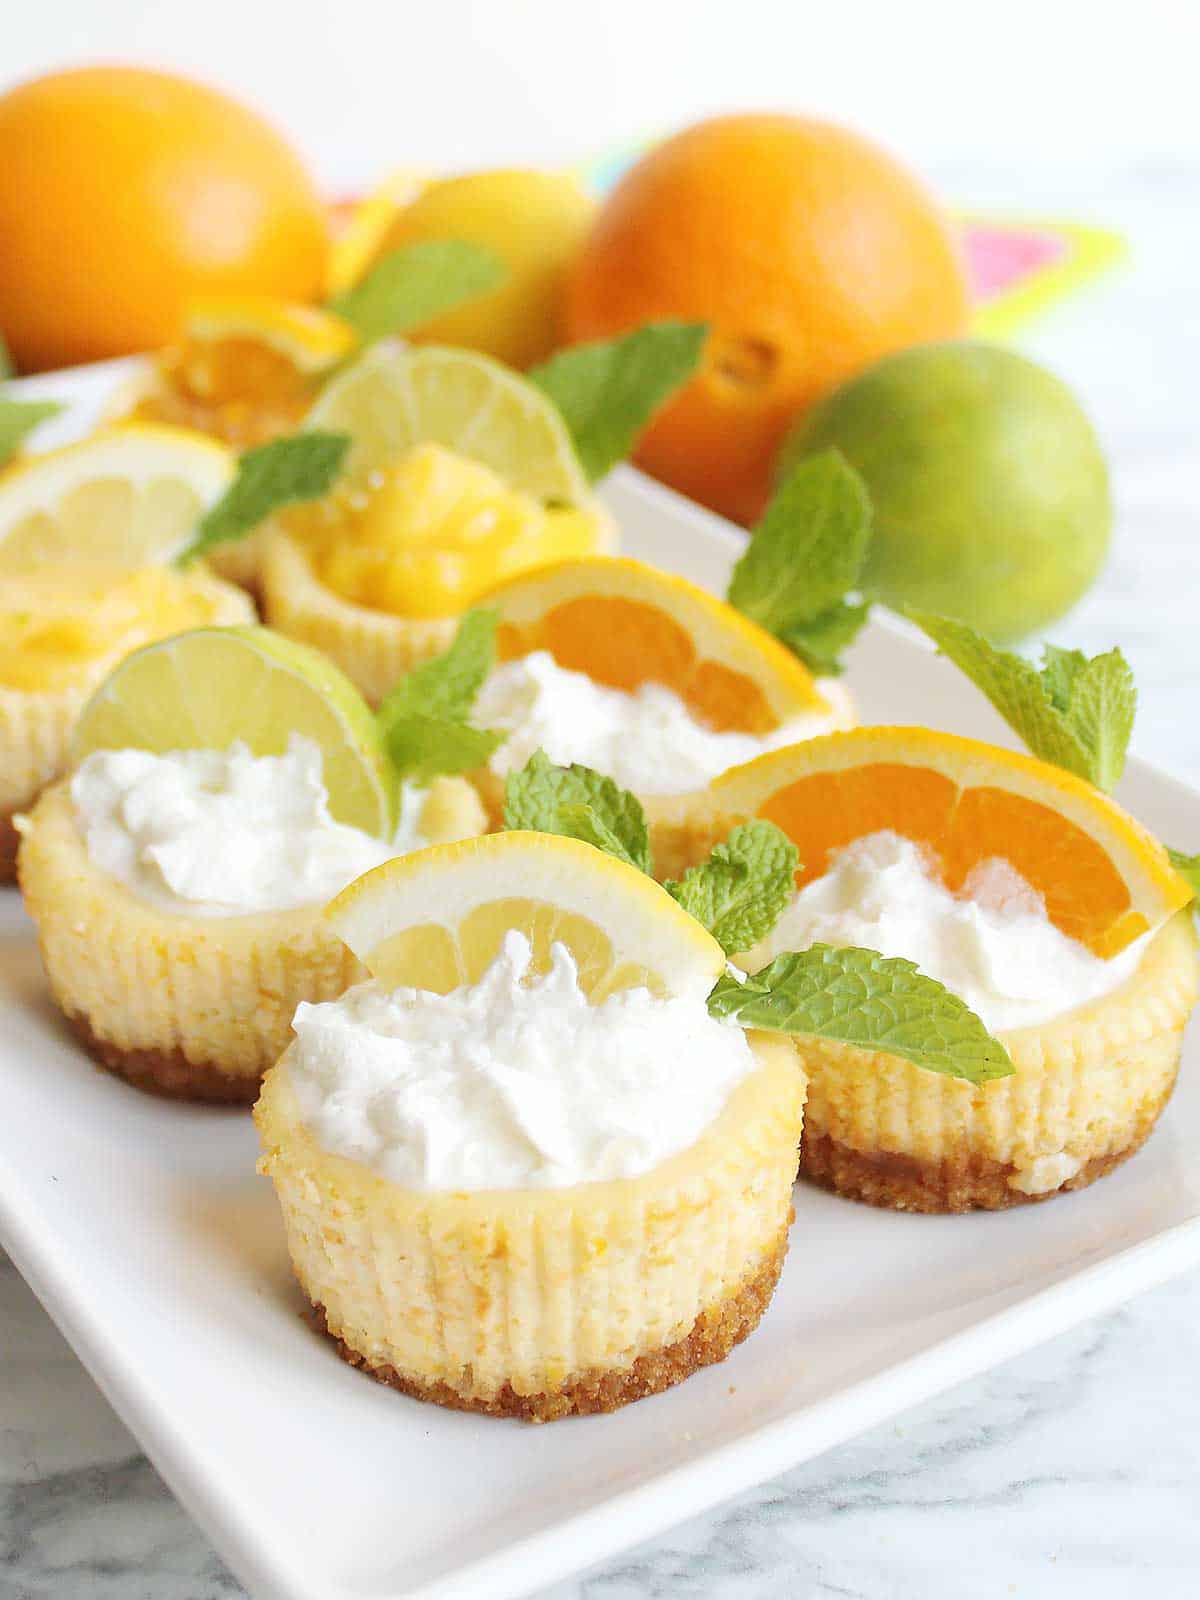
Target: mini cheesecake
(550,1302)
(62,632)
(378,575)
(523,1169)
(1086,1092)
(1030,895)
(191,1006)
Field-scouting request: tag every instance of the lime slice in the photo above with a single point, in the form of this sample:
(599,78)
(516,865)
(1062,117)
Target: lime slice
(128,496)
(394,398)
(205,689)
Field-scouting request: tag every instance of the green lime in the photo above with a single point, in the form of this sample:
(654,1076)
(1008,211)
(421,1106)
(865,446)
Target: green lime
(205,689)
(989,487)
(393,398)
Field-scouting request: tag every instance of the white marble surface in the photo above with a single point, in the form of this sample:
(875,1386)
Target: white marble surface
(1072,1472)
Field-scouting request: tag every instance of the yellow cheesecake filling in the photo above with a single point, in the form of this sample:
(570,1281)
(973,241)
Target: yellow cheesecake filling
(431,532)
(56,623)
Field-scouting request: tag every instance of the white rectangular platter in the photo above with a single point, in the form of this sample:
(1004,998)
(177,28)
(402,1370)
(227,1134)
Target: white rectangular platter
(142,1227)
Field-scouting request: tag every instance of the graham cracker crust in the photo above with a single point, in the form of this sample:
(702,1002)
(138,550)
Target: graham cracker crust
(168,1073)
(970,1183)
(10,840)
(713,1335)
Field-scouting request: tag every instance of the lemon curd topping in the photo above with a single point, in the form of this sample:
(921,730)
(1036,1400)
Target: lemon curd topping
(54,624)
(433,531)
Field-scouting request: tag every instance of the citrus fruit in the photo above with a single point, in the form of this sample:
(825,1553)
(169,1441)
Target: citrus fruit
(436,920)
(989,487)
(358,237)
(1103,878)
(246,367)
(392,399)
(624,623)
(809,252)
(206,689)
(534,222)
(124,193)
(129,495)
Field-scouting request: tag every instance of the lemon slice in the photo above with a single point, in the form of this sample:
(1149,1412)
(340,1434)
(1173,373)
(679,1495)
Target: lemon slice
(394,398)
(437,919)
(359,242)
(205,689)
(309,338)
(128,496)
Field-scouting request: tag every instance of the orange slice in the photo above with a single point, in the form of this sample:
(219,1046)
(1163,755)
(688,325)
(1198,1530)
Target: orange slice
(624,623)
(1104,879)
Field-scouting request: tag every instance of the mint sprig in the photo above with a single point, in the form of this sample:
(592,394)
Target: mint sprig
(862,998)
(18,418)
(740,892)
(298,467)
(1074,711)
(857,996)
(424,748)
(805,558)
(416,283)
(8,367)
(608,391)
(424,719)
(447,685)
(578,803)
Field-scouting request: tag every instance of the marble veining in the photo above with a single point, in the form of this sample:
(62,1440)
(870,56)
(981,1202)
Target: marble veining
(1073,1471)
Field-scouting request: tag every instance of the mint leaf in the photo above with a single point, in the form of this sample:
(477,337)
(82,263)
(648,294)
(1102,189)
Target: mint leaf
(739,893)
(423,720)
(447,685)
(820,643)
(1060,668)
(412,285)
(607,392)
(808,550)
(301,466)
(579,804)
(8,367)
(424,748)
(1189,866)
(1075,713)
(580,821)
(862,998)
(19,418)
(1100,711)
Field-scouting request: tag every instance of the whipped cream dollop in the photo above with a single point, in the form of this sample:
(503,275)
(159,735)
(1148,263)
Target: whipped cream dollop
(217,833)
(646,739)
(992,944)
(516,1081)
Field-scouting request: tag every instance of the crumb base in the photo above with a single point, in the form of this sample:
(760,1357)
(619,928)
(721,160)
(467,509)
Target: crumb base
(10,840)
(716,1331)
(905,1183)
(168,1073)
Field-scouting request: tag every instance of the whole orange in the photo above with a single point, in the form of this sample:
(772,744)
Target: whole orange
(123,194)
(809,252)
